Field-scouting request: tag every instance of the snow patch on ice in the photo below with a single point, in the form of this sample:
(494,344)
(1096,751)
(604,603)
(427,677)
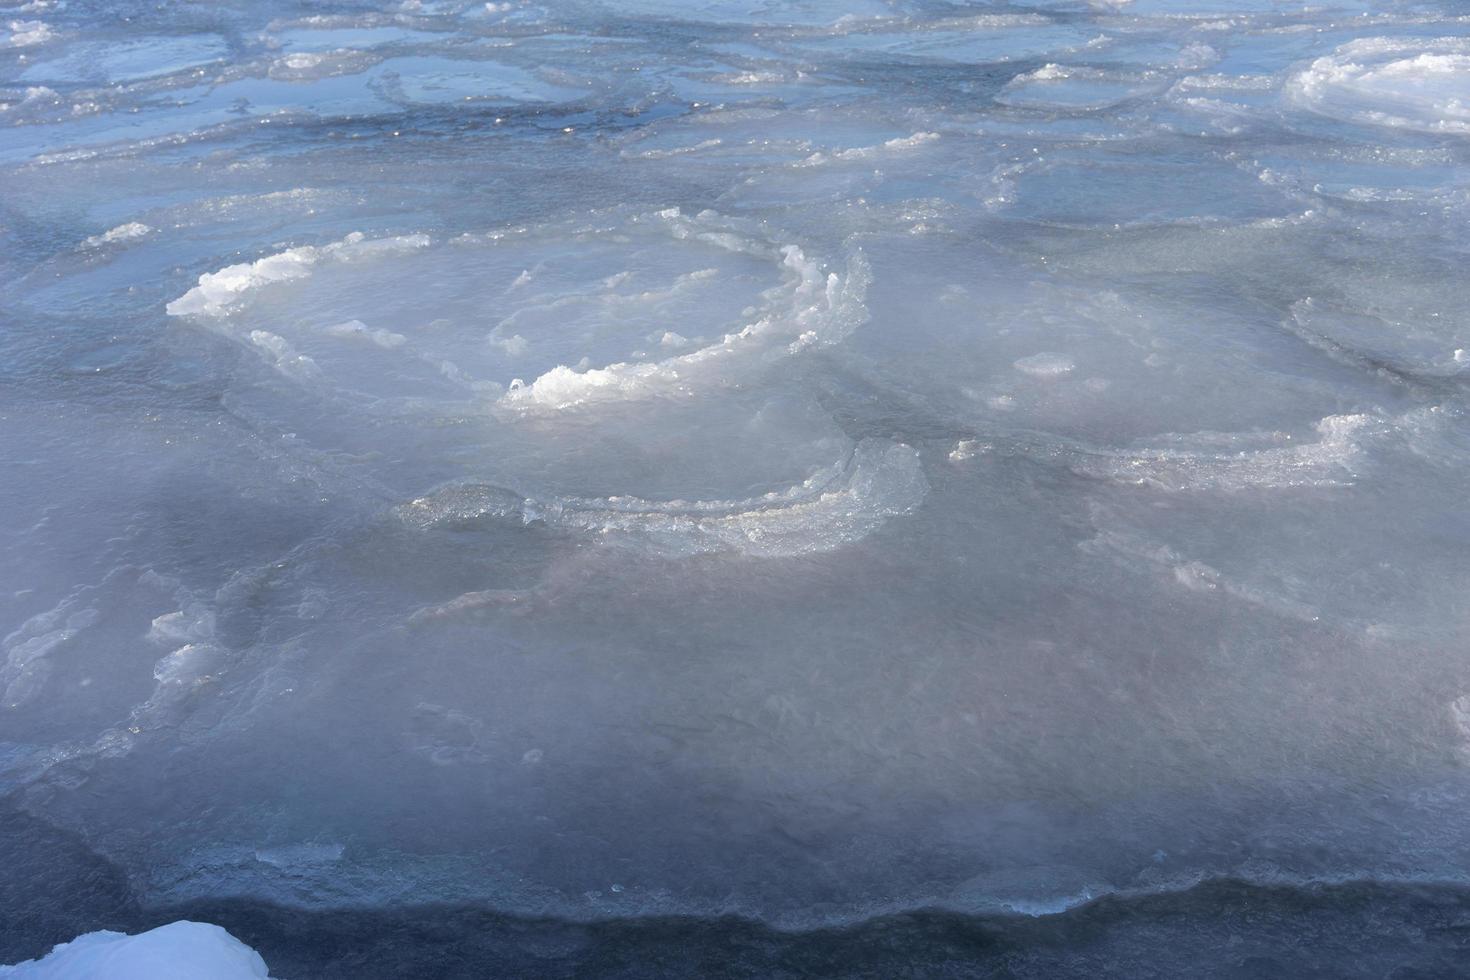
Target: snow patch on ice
(1402,83)
(181,950)
(219,293)
(1046,365)
(131,231)
(27,33)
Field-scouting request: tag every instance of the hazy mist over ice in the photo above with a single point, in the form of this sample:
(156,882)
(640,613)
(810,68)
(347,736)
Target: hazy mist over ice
(604,462)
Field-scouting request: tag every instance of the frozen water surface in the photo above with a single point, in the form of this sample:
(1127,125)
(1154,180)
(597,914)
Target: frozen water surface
(813,488)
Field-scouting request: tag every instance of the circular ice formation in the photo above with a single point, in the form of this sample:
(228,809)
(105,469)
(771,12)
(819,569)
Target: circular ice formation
(542,318)
(837,505)
(1410,83)
(531,322)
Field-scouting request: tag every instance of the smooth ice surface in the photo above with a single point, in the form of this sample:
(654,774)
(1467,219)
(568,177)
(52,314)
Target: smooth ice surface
(807,461)
(178,951)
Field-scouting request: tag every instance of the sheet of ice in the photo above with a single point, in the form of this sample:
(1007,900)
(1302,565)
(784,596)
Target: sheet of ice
(508,471)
